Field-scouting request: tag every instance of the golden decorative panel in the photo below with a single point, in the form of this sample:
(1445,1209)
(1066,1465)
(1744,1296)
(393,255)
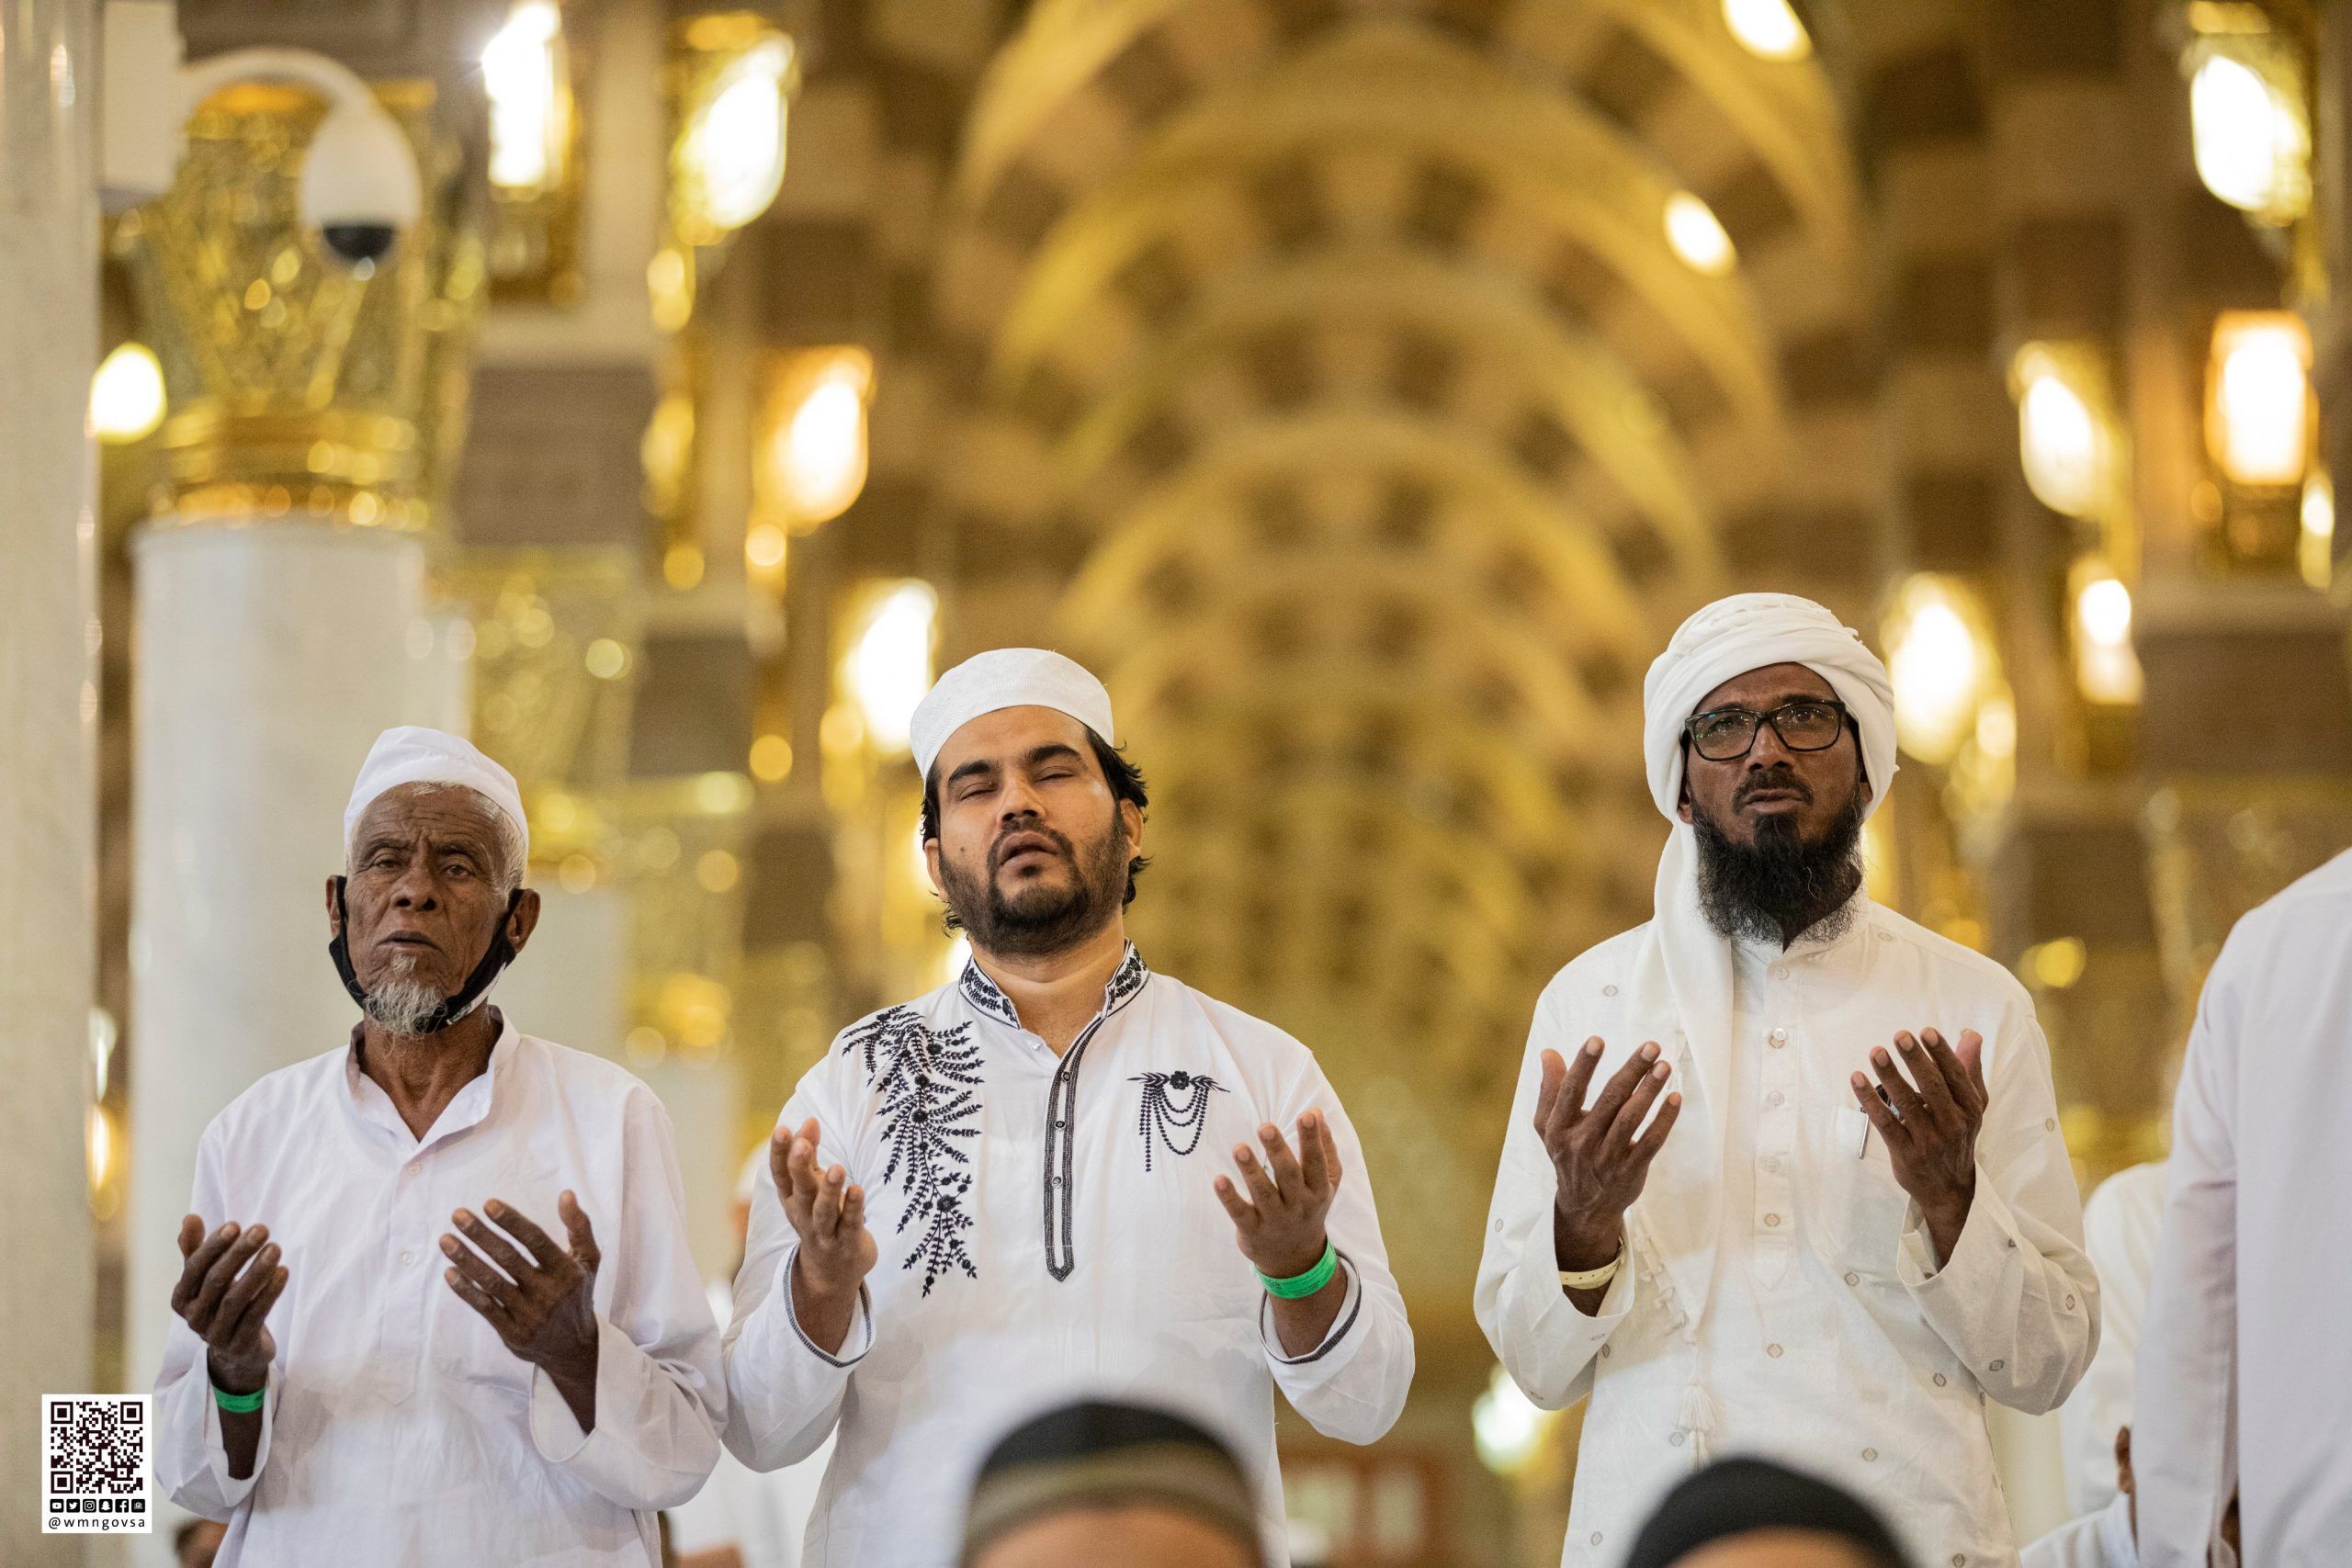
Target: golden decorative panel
(2219,847)
(302,386)
(555,640)
(681,852)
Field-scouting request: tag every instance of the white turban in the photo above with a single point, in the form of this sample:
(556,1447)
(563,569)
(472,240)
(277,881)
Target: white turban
(411,754)
(1679,988)
(1007,678)
(1750,631)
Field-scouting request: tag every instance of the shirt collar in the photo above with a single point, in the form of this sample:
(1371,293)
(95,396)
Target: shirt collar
(468,1108)
(1117,992)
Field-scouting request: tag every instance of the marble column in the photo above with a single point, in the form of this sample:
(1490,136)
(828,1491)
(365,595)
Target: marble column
(48,274)
(270,656)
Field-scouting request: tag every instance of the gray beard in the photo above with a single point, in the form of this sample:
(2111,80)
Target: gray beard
(401,1002)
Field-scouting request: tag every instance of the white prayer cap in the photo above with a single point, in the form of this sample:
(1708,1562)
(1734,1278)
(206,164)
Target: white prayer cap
(1748,631)
(1008,678)
(411,754)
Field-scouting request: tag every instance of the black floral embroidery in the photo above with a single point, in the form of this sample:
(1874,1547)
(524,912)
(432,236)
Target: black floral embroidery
(1174,1103)
(928,1083)
(983,994)
(1125,980)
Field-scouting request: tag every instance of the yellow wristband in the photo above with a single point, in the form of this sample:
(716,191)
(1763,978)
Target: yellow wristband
(1593,1278)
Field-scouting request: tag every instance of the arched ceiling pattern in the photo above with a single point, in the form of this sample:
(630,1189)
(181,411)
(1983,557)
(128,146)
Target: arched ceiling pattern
(1339,351)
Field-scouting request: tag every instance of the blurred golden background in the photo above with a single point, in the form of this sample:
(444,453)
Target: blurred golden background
(1363,388)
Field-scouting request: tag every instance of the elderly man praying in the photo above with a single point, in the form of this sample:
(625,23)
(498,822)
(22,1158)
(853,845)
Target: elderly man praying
(1783,1174)
(436,1304)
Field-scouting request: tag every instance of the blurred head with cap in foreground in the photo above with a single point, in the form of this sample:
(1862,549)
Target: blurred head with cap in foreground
(1032,821)
(1110,1485)
(1750,1513)
(431,906)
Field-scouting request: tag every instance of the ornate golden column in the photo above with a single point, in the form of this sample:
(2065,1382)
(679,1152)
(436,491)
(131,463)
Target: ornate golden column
(280,602)
(49,326)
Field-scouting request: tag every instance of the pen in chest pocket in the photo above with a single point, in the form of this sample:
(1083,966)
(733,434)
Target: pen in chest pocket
(1864,1146)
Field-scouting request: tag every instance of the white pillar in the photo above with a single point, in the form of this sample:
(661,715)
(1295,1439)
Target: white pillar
(48,330)
(270,654)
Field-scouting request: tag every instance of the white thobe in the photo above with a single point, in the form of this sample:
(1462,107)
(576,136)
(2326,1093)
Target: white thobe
(397,1428)
(1831,1339)
(2121,1224)
(2246,1372)
(1048,1230)
(2102,1540)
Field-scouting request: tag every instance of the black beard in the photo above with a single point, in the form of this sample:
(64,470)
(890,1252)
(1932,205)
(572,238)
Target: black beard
(1780,886)
(1041,922)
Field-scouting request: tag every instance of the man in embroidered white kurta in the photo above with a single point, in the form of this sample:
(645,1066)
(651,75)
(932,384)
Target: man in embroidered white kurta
(388,1395)
(1049,1222)
(1778,1291)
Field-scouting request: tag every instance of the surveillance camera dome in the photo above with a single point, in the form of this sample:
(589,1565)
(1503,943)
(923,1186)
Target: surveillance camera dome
(355,242)
(359,188)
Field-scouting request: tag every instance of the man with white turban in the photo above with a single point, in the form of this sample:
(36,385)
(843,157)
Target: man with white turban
(1037,1184)
(383,1354)
(1819,1207)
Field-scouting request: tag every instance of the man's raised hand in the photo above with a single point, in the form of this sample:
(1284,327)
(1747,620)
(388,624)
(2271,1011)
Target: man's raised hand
(1600,1153)
(540,1297)
(1279,1225)
(1931,1129)
(229,1281)
(828,1214)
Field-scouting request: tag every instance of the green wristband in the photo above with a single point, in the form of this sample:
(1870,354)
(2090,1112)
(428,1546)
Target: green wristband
(239,1404)
(1307,1284)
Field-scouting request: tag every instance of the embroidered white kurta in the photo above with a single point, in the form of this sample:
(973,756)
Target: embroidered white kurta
(2246,1371)
(397,1428)
(1830,1338)
(1047,1230)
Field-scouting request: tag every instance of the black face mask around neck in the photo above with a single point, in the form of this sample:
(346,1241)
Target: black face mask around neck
(452,1009)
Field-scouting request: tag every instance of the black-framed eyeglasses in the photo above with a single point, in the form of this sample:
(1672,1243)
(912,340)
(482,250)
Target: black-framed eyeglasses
(1725,735)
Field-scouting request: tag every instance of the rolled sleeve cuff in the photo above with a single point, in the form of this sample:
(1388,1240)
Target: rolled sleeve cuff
(216,1445)
(1551,1340)
(555,1431)
(861,1328)
(1351,1310)
(1988,1239)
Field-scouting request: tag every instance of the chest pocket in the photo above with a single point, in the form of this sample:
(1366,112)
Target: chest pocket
(1862,1207)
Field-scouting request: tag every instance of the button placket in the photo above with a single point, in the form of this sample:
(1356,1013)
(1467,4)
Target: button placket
(408,1225)
(1776,1130)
